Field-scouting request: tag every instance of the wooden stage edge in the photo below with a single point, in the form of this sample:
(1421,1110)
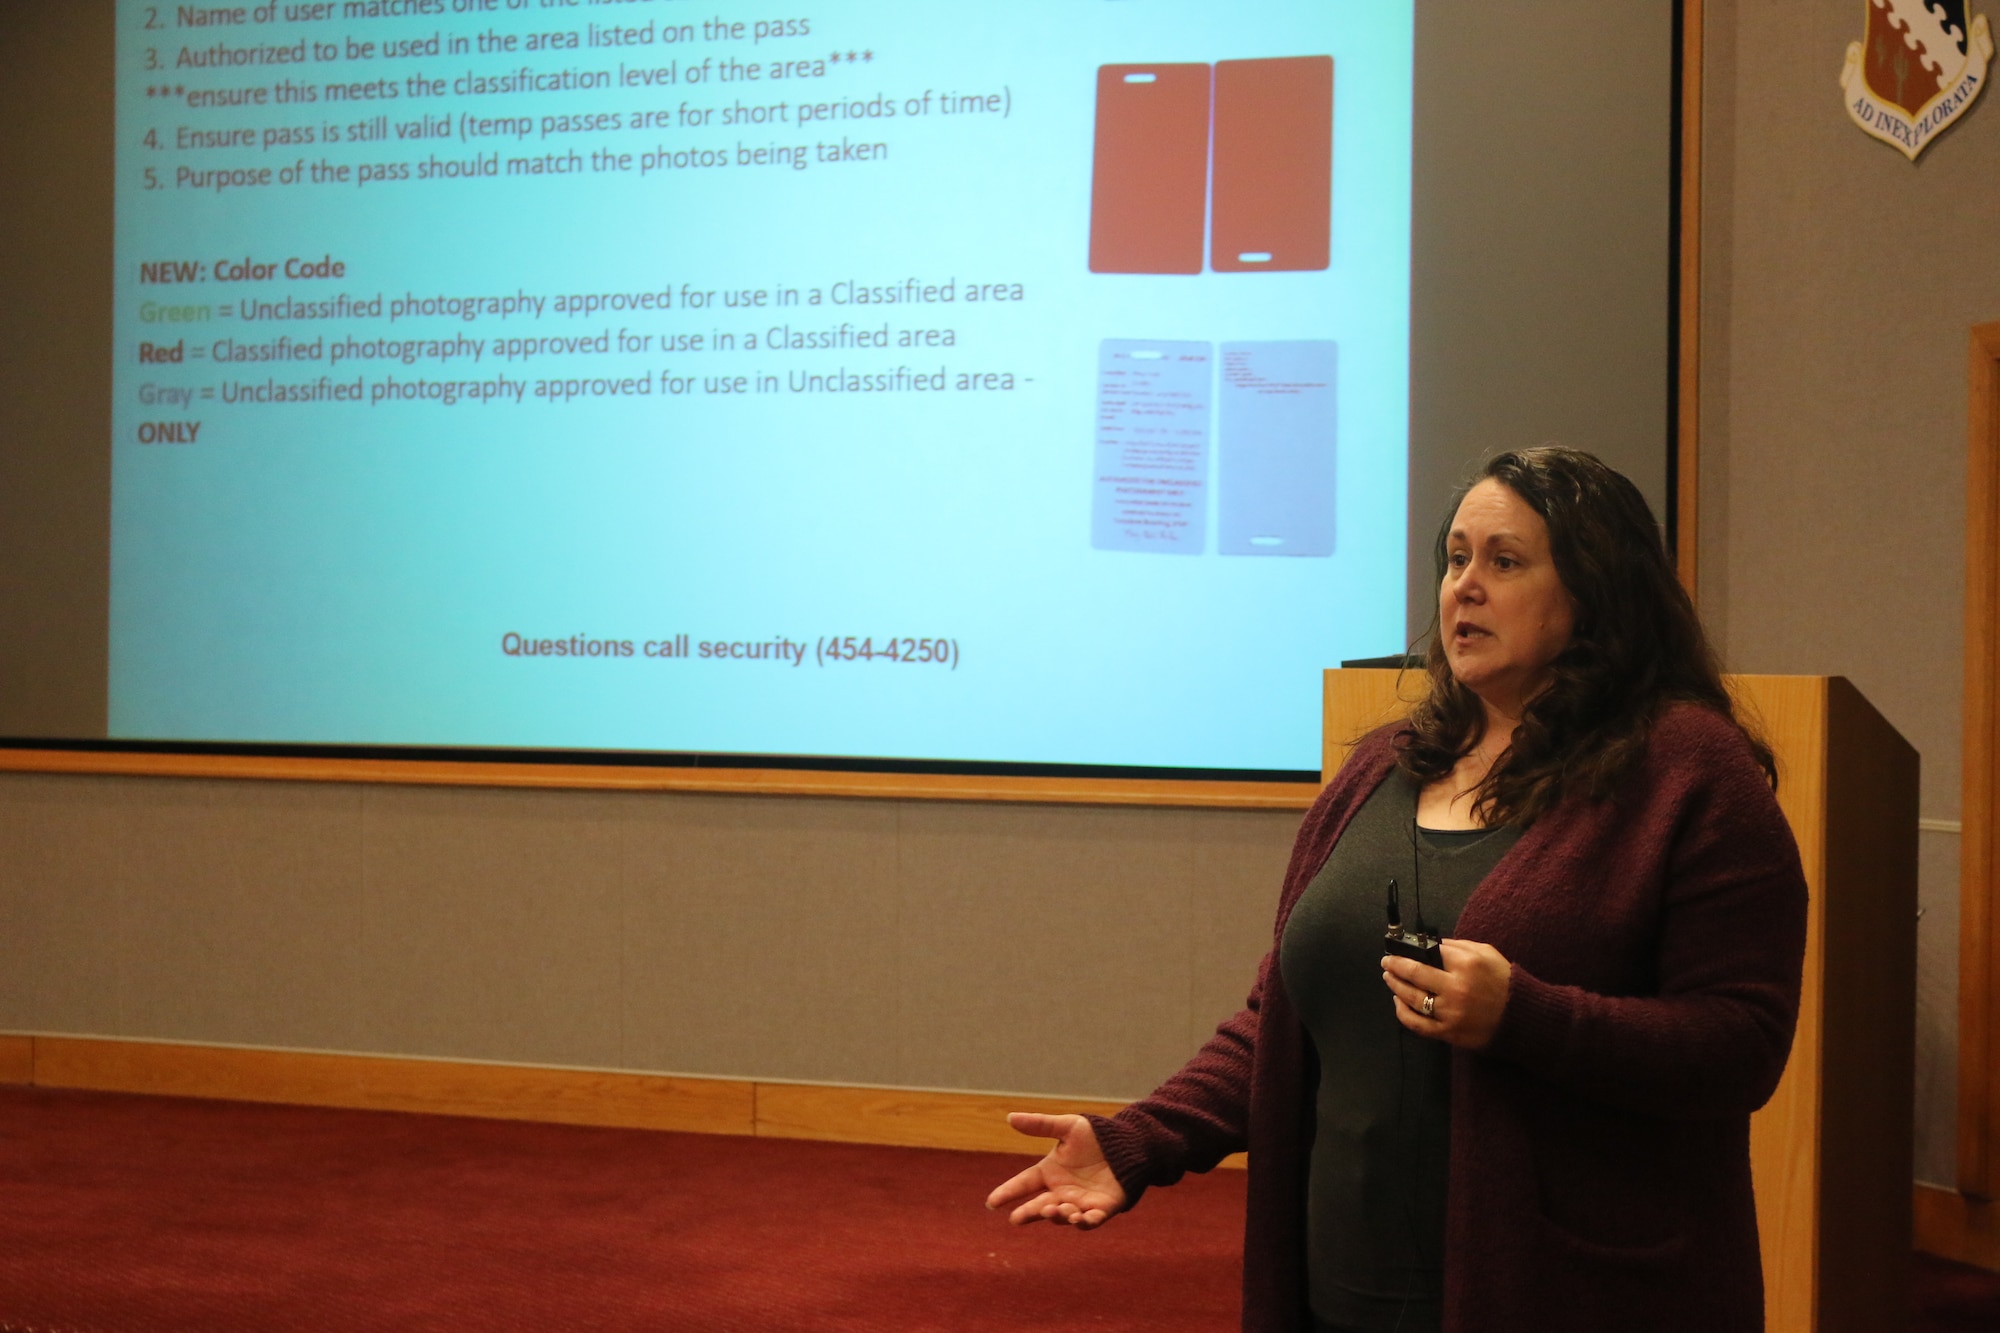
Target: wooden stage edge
(894,1117)
(640,777)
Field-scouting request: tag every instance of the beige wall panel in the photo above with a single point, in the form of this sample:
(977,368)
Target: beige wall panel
(1045,948)
(1238,864)
(1853,277)
(241,913)
(60,848)
(1501,356)
(491,925)
(55,407)
(1063,950)
(1717,277)
(1838,285)
(760,936)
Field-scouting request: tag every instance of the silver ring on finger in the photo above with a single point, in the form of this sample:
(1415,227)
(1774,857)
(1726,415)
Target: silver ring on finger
(1429,1007)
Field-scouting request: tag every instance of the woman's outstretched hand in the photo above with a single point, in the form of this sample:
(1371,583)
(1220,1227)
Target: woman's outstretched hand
(1471,993)
(1073,1184)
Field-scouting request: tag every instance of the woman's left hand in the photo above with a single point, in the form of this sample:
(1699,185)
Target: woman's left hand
(1471,993)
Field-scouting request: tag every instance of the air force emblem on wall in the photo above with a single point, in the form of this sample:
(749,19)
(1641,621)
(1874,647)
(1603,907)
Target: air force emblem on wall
(1917,70)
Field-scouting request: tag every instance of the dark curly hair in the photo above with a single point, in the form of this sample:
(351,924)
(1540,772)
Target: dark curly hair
(1637,646)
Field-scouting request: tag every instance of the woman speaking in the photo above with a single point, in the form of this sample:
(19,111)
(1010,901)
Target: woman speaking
(1541,1123)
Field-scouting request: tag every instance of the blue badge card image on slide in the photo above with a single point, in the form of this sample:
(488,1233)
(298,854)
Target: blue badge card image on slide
(1151,481)
(1276,448)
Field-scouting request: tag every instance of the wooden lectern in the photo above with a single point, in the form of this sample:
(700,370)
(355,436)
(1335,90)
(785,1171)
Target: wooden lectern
(1831,1152)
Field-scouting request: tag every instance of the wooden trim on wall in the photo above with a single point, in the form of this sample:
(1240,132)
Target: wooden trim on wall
(904,1117)
(1978,928)
(1952,1226)
(1687,389)
(17,1059)
(896,1117)
(376,1083)
(640,777)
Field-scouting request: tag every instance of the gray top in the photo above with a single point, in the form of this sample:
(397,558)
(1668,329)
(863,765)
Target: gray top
(1376,1197)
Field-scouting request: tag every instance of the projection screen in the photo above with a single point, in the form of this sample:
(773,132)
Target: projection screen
(1024,384)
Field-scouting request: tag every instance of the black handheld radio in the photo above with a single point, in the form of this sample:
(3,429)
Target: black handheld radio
(1417,943)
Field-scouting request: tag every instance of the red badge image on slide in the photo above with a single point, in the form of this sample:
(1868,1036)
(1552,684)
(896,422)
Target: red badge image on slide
(1267,127)
(1273,165)
(1149,184)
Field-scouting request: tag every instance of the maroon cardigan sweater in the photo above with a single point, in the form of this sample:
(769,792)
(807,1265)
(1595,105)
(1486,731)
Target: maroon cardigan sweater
(1600,1158)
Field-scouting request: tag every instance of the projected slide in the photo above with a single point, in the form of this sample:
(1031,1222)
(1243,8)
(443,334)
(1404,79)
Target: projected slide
(988,382)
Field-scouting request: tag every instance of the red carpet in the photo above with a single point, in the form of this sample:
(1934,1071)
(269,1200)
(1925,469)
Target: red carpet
(135,1215)
(126,1214)
(1954,1298)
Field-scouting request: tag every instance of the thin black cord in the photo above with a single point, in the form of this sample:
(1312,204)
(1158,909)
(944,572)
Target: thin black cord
(1417,877)
(1409,1202)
